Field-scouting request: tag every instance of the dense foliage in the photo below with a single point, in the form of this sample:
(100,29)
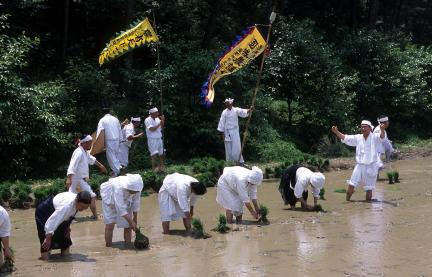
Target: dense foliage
(331,62)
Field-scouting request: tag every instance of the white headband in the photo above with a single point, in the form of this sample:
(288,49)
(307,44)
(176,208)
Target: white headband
(229,100)
(136,119)
(87,138)
(367,122)
(383,119)
(153,110)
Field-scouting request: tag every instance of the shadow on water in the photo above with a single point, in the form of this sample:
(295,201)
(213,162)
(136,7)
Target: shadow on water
(74,257)
(181,233)
(394,204)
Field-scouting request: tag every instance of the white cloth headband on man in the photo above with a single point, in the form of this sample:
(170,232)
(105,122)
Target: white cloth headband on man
(153,110)
(136,119)
(85,139)
(367,122)
(229,100)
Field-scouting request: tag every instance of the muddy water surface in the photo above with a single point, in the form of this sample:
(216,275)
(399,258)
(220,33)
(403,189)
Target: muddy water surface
(390,237)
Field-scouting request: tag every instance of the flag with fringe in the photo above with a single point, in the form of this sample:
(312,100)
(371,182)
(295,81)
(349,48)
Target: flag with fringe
(245,48)
(133,38)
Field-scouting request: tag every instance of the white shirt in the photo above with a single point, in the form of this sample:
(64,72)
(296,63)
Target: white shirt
(366,150)
(128,130)
(236,178)
(150,123)
(114,193)
(64,204)
(303,176)
(229,118)
(79,164)
(178,187)
(5,225)
(111,125)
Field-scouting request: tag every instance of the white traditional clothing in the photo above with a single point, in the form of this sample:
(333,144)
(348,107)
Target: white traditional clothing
(385,147)
(5,225)
(154,138)
(304,177)
(234,189)
(65,208)
(125,145)
(366,169)
(175,196)
(118,201)
(228,124)
(79,168)
(113,135)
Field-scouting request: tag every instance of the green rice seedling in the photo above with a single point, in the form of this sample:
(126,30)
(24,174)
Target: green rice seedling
(390,177)
(321,194)
(8,266)
(222,226)
(396,176)
(141,241)
(340,190)
(318,208)
(263,210)
(198,229)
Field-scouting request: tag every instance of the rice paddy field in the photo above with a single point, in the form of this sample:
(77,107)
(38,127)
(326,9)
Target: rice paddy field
(392,236)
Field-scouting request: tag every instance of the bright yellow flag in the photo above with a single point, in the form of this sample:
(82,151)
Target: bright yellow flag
(245,49)
(129,40)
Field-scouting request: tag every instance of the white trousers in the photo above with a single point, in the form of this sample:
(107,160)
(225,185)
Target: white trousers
(112,148)
(364,174)
(155,146)
(169,208)
(79,184)
(232,145)
(124,155)
(229,199)
(111,216)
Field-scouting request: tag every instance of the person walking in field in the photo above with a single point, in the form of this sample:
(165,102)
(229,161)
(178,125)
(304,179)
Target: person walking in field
(78,170)
(113,134)
(129,135)
(366,169)
(154,124)
(5,229)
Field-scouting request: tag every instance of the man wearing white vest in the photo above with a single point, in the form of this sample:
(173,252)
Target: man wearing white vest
(229,129)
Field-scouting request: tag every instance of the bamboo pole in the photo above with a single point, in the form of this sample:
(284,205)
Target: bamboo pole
(159,65)
(271,20)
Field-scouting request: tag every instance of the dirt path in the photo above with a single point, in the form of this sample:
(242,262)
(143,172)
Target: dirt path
(391,237)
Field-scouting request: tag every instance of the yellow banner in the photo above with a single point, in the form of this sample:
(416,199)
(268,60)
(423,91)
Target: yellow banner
(242,53)
(129,40)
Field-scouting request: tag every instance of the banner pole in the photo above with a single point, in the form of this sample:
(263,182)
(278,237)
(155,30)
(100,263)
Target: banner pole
(159,65)
(271,19)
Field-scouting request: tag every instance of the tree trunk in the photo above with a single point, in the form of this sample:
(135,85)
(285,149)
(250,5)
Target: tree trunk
(215,7)
(65,33)
(355,5)
(373,12)
(290,115)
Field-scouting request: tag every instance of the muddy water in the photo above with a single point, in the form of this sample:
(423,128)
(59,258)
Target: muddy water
(390,237)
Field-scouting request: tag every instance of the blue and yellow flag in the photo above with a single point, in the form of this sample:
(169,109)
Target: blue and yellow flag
(129,40)
(243,50)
